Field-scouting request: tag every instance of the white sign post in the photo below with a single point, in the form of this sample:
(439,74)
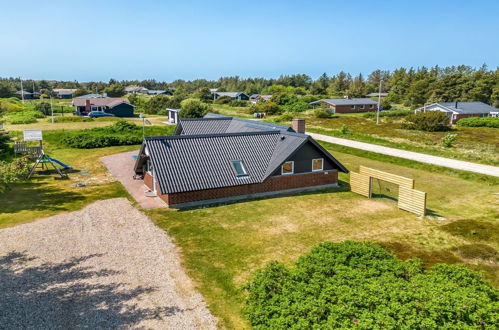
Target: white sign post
(32,135)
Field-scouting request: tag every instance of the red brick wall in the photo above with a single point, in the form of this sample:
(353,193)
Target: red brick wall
(148,180)
(277,183)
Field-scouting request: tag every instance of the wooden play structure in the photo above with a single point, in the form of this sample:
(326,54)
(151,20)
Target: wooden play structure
(409,199)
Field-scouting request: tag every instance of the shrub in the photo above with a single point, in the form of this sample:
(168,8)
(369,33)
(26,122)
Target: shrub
(43,107)
(23,117)
(298,106)
(61,119)
(449,140)
(430,121)
(359,284)
(269,108)
(322,113)
(344,129)
(193,108)
(238,103)
(284,117)
(161,102)
(479,122)
(11,172)
(223,100)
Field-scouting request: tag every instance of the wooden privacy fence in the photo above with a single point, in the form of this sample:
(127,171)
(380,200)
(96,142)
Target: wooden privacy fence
(409,199)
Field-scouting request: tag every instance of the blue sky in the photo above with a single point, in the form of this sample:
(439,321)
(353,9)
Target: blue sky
(168,40)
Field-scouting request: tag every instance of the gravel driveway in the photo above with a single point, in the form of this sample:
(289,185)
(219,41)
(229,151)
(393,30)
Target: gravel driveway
(106,266)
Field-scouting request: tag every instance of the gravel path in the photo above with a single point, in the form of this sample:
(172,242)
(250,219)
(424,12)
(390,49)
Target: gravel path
(435,160)
(106,266)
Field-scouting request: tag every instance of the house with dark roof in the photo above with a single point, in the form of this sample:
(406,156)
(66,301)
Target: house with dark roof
(377,94)
(118,106)
(159,92)
(219,159)
(27,95)
(136,89)
(458,110)
(347,105)
(232,95)
(255,98)
(64,93)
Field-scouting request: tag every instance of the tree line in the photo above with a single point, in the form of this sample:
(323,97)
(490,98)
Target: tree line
(412,87)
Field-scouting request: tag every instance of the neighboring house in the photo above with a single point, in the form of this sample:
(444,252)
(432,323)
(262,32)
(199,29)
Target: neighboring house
(27,95)
(377,95)
(347,105)
(91,96)
(218,159)
(232,95)
(158,92)
(458,110)
(255,98)
(136,89)
(120,107)
(64,93)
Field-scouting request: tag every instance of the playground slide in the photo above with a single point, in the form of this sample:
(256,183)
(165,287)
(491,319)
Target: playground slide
(60,163)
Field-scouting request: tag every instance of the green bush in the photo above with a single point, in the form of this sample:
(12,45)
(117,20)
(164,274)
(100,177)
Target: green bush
(269,108)
(238,103)
(14,171)
(449,140)
(479,122)
(298,106)
(223,100)
(193,108)
(359,284)
(120,133)
(322,113)
(62,119)
(44,108)
(430,121)
(284,117)
(23,117)
(344,129)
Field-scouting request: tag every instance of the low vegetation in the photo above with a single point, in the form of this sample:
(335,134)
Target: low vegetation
(492,122)
(430,121)
(12,171)
(118,134)
(359,284)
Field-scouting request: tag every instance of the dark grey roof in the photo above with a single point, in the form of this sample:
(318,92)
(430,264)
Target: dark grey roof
(354,101)
(229,94)
(474,107)
(217,124)
(197,162)
(377,94)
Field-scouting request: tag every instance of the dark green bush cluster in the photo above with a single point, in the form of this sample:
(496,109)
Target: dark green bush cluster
(361,285)
(61,119)
(479,122)
(269,108)
(23,117)
(322,113)
(392,113)
(223,100)
(238,103)
(120,133)
(430,121)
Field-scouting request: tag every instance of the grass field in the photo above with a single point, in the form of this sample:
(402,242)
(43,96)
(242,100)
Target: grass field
(476,144)
(223,245)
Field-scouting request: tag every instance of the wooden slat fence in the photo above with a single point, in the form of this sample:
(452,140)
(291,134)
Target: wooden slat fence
(409,199)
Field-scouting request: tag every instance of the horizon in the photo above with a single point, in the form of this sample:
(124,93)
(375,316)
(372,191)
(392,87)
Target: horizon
(167,41)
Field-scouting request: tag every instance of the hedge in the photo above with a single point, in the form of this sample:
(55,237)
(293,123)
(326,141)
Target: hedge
(492,122)
(361,285)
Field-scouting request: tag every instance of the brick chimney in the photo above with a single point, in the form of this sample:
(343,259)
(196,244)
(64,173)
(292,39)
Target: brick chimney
(298,125)
(87,106)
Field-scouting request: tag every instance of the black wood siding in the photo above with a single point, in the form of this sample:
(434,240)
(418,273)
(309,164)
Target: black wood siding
(303,159)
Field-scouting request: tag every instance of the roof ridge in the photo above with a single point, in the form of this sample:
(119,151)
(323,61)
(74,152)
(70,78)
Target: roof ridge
(187,136)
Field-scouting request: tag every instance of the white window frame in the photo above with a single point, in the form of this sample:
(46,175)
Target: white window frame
(292,168)
(322,164)
(371,106)
(352,107)
(362,107)
(242,166)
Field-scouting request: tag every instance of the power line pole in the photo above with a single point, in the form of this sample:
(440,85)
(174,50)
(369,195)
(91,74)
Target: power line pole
(379,102)
(22,91)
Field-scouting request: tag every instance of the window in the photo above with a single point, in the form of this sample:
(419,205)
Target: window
(362,106)
(371,106)
(239,168)
(317,164)
(352,106)
(288,168)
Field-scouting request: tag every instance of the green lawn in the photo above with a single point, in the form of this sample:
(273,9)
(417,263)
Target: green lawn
(223,245)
